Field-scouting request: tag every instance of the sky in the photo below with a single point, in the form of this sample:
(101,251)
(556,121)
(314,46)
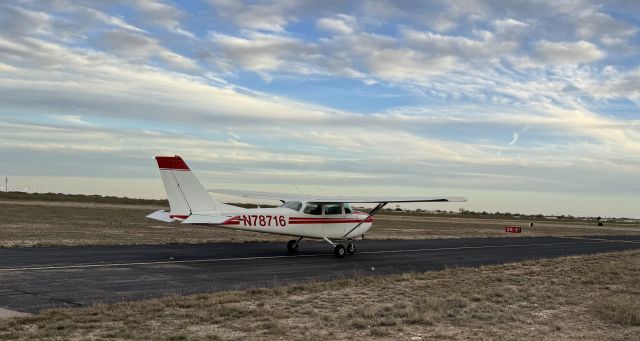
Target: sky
(522,105)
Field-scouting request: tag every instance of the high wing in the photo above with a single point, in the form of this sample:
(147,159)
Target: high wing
(334,199)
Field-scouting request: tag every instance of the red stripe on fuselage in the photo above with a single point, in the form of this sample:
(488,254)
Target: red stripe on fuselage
(232,221)
(303,221)
(297,220)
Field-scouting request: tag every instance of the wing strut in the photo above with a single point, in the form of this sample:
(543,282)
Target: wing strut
(373,211)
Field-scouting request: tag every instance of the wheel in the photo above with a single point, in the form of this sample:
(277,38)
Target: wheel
(292,246)
(339,250)
(351,248)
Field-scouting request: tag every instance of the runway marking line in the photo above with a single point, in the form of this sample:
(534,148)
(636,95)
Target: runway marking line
(604,239)
(212,260)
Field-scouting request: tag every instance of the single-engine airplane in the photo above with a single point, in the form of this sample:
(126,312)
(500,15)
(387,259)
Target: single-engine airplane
(330,218)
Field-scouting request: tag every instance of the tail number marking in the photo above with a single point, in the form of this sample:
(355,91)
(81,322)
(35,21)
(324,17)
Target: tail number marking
(264,220)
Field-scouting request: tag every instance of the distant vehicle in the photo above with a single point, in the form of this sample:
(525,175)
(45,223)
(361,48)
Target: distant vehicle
(330,218)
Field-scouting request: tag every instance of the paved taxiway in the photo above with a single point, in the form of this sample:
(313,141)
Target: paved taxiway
(32,279)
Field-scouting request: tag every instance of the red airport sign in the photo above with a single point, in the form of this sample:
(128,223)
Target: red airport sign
(513,229)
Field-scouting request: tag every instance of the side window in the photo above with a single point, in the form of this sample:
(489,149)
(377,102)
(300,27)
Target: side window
(314,209)
(332,209)
(347,209)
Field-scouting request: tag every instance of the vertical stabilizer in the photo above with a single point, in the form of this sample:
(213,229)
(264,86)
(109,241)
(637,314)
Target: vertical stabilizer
(185,193)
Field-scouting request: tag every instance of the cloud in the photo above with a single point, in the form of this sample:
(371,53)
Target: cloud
(74,119)
(264,52)
(148,94)
(503,25)
(163,15)
(591,23)
(617,85)
(456,46)
(407,64)
(567,52)
(137,45)
(7,68)
(341,24)
(104,17)
(266,17)
(516,136)
(18,20)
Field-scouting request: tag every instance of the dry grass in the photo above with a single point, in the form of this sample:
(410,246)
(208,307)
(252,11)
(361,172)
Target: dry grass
(585,297)
(622,308)
(36,223)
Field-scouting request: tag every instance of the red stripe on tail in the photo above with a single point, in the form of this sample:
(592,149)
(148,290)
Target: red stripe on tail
(171,162)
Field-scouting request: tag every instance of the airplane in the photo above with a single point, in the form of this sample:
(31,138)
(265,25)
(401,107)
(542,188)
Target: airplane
(329,218)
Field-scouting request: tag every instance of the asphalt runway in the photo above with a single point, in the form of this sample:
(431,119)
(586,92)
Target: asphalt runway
(32,279)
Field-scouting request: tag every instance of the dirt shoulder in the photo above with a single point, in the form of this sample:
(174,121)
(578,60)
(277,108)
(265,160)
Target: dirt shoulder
(6,313)
(416,227)
(583,297)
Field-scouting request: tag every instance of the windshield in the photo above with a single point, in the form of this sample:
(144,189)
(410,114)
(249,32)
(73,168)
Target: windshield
(294,205)
(315,209)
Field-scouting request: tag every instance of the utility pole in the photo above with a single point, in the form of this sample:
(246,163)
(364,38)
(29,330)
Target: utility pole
(6,184)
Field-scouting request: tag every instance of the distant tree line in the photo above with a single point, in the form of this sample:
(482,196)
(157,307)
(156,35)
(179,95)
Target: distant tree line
(101,199)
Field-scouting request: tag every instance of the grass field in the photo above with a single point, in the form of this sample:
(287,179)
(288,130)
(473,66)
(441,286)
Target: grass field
(584,297)
(56,223)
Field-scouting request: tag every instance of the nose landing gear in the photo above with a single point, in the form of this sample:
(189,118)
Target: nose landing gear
(351,248)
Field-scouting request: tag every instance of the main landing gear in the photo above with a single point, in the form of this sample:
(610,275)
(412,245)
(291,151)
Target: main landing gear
(292,246)
(340,250)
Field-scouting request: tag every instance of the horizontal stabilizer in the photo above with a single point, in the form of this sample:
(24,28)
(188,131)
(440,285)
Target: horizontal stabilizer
(161,215)
(208,219)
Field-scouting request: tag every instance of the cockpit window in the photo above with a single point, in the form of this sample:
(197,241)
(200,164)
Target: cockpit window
(314,209)
(294,205)
(347,208)
(332,209)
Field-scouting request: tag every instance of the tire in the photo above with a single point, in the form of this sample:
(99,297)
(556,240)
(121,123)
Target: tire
(351,248)
(339,250)
(292,247)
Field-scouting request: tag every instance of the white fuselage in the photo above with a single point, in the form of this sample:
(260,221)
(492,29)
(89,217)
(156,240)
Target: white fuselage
(285,221)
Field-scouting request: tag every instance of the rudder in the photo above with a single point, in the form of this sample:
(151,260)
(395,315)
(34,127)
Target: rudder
(185,192)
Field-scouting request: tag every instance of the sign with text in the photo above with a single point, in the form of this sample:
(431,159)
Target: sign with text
(513,229)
